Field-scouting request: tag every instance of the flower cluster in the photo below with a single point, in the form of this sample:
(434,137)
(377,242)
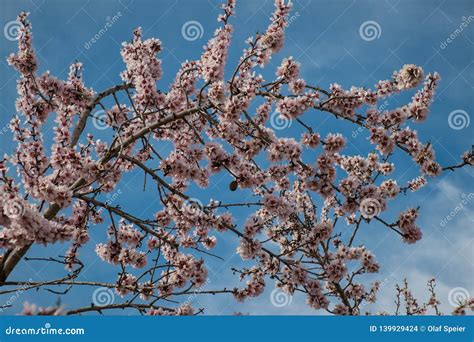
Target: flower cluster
(24,224)
(274,38)
(206,130)
(406,222)
(292,107)
(143,68)
(213,59)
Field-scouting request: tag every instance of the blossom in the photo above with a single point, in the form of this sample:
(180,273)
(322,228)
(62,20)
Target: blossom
(30,309)
(406,222)
(390,188)
(25,224)
(125,283)
(273,39)
(248,249)
(417,183)
(297,86)
(335,271)
(214,57)
(284,149)
(292,107)
(143,68)
(385,144)
(310,139)
(334,143)
(288,70)
(408,76)
(295,208)
(25,60)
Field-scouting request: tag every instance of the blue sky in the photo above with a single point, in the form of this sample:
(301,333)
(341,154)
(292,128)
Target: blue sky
(324,36)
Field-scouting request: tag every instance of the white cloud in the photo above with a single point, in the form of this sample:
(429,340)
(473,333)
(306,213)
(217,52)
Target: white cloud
(445,253)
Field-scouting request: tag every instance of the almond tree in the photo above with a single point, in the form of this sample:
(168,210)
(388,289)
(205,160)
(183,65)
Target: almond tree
(216,125)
